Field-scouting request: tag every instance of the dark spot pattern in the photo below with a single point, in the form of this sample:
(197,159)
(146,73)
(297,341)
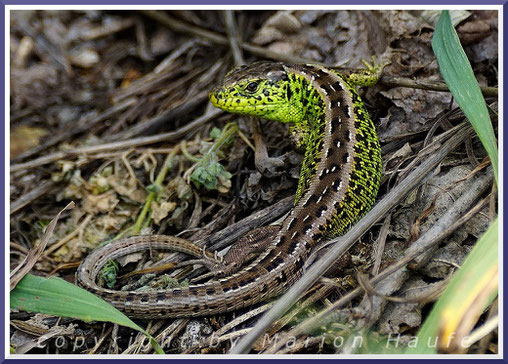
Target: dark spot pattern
(346,110)
(289,93)
(326,88)
(345,157)
(337,102)
(334,167)
(299,264)
(161,296)
(337,86)
(321,210)
(131,296)
(322,73)
(307,228)
(312,199)
(284,276)
(322,174)
(335,125)
(275,262)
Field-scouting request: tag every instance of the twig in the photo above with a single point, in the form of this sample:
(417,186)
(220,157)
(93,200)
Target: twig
(233,36)
(32,195)
(153,125)
(318,319)
(151,196)
(135,142)
(82,126)
(379,210)
(70,236)
(428,85)
(108,29)
(221,239)
(33,255)
(483,330)
(380,246)
(182,27)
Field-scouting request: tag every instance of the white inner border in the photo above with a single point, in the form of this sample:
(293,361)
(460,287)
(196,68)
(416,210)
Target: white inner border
(8,8)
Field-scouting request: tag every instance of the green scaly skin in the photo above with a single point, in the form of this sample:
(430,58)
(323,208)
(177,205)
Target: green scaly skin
(294,100)
(339,180)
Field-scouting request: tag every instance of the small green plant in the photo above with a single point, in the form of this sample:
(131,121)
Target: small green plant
(209,172)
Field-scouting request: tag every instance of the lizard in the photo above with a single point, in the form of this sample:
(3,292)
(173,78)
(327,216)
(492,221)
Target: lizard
(339,181)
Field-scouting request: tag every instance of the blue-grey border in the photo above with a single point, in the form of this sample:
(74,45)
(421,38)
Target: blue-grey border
(3,3)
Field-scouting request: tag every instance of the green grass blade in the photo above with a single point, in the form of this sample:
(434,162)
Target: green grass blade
(458,75)
(474,286)
(55,296)
(471,290)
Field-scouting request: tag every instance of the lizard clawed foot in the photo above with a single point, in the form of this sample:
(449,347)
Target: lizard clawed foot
(374,67)
(215,264)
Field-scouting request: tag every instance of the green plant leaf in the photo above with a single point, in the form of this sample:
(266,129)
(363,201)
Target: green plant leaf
(55,296)
(458,75)
(474,286)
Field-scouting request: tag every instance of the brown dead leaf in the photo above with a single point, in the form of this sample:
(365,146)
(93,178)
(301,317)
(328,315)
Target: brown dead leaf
(161,211)
(24,138)
(105,202)
(111,222)
(127,187)
(420,106)
(473,31)
(130,76)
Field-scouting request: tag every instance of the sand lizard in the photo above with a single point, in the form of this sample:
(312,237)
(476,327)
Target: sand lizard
(339,181)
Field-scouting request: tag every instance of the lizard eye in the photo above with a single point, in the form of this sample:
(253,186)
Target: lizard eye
(253,86)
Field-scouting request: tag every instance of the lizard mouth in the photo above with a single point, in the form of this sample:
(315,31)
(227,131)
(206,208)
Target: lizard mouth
(213,99)
(238,105)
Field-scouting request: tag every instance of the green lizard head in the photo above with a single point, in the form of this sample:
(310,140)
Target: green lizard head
(261,89)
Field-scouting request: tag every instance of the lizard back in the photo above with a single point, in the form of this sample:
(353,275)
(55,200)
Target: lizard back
(339,180)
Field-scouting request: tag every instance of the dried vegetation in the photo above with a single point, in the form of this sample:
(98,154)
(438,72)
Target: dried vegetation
(109,110)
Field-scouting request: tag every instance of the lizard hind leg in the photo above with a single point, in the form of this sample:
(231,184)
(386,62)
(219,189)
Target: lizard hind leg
(254,242)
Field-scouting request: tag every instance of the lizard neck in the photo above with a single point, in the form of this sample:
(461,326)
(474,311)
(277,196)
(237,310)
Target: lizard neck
(339,178)
(338,184)
(331,133)
(330,153)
